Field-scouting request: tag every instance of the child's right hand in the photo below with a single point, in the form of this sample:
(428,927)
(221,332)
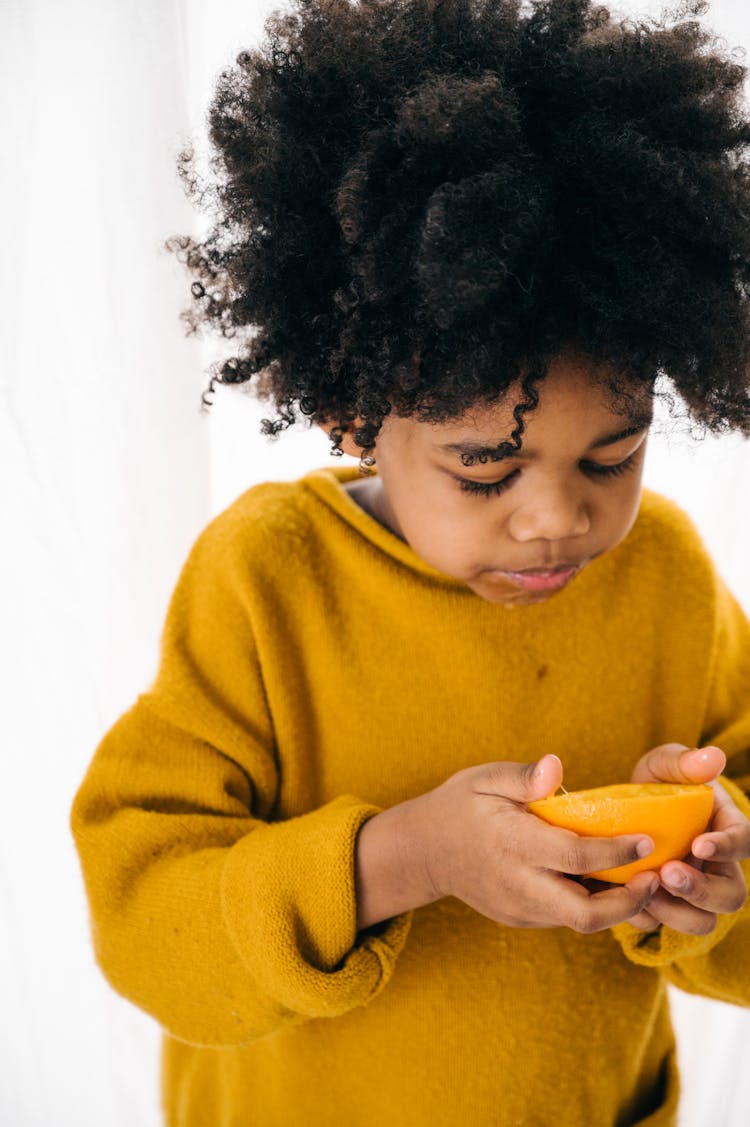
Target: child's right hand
(482,846)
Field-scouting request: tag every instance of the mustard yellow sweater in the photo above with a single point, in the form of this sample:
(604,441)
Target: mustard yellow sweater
(315,670)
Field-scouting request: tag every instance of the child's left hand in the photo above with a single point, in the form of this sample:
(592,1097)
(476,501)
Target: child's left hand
(713,881)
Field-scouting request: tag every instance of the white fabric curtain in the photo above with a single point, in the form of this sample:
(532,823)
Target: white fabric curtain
(109,473)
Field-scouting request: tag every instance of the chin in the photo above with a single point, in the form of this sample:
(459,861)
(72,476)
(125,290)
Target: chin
(513,598)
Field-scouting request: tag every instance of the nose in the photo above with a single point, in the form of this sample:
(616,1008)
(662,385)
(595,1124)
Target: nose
(549,514)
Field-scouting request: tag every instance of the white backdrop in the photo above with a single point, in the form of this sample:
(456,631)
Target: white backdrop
(110,472)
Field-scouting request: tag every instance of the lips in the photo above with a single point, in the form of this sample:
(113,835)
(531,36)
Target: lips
(543,579)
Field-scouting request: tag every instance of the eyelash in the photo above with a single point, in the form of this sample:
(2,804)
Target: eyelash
(494,488)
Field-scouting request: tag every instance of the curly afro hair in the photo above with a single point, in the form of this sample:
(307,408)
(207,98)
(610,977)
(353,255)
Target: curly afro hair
(415,203)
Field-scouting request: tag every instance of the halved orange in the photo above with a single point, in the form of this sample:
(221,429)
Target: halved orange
(673,814)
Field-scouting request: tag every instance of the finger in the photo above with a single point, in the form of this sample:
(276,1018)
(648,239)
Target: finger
(547,777)
(728,836)
(732,844)
(644,921)
(719,888)
(680,915)
(587,912)
(520,782)
(568,852)
(675,763)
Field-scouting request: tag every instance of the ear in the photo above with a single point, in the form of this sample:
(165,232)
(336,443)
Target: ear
(347,444)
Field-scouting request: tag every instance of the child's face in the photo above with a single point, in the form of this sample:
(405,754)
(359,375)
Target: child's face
(554,506)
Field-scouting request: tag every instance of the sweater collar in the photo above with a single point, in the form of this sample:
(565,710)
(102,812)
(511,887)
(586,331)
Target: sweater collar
(328,485)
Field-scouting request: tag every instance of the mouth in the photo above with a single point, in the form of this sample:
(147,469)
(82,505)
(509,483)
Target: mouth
(543,578)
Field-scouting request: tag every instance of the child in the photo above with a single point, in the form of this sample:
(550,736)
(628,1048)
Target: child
(465,238)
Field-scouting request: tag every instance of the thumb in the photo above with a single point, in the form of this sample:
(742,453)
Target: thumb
(546,777)
(522,782)
(675,763)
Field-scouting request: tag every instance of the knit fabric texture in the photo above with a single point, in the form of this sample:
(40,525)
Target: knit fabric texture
(314,671)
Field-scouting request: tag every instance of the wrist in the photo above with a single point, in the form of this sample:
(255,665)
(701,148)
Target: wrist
(391,876)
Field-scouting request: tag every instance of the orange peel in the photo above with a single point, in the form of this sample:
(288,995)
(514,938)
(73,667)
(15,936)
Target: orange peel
(672,814)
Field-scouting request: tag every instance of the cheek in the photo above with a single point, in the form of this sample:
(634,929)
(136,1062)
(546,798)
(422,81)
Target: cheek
(620,515)
(443,533)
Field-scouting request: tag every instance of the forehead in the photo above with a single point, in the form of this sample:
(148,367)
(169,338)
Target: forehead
(576,408)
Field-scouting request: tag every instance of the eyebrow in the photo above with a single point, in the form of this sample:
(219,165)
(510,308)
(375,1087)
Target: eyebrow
(477,450)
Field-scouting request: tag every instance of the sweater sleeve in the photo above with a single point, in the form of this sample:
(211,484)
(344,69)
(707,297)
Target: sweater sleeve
(219,921)
(714,965)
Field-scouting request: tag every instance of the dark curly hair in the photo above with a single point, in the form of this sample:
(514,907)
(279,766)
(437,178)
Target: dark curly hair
(416,202)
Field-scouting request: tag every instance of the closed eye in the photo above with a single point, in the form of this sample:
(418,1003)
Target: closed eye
(590,469)
(488,488)
(594,469)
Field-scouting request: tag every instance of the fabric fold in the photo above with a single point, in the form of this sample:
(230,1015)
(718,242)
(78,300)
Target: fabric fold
(289,900)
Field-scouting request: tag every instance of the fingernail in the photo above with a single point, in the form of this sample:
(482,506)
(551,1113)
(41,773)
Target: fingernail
(676,880)
(644,847)
(538,769)
(707,849)
(703,754)
(654,885)
(698,755)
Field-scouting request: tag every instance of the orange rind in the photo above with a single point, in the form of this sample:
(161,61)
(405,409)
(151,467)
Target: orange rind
(672,814)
